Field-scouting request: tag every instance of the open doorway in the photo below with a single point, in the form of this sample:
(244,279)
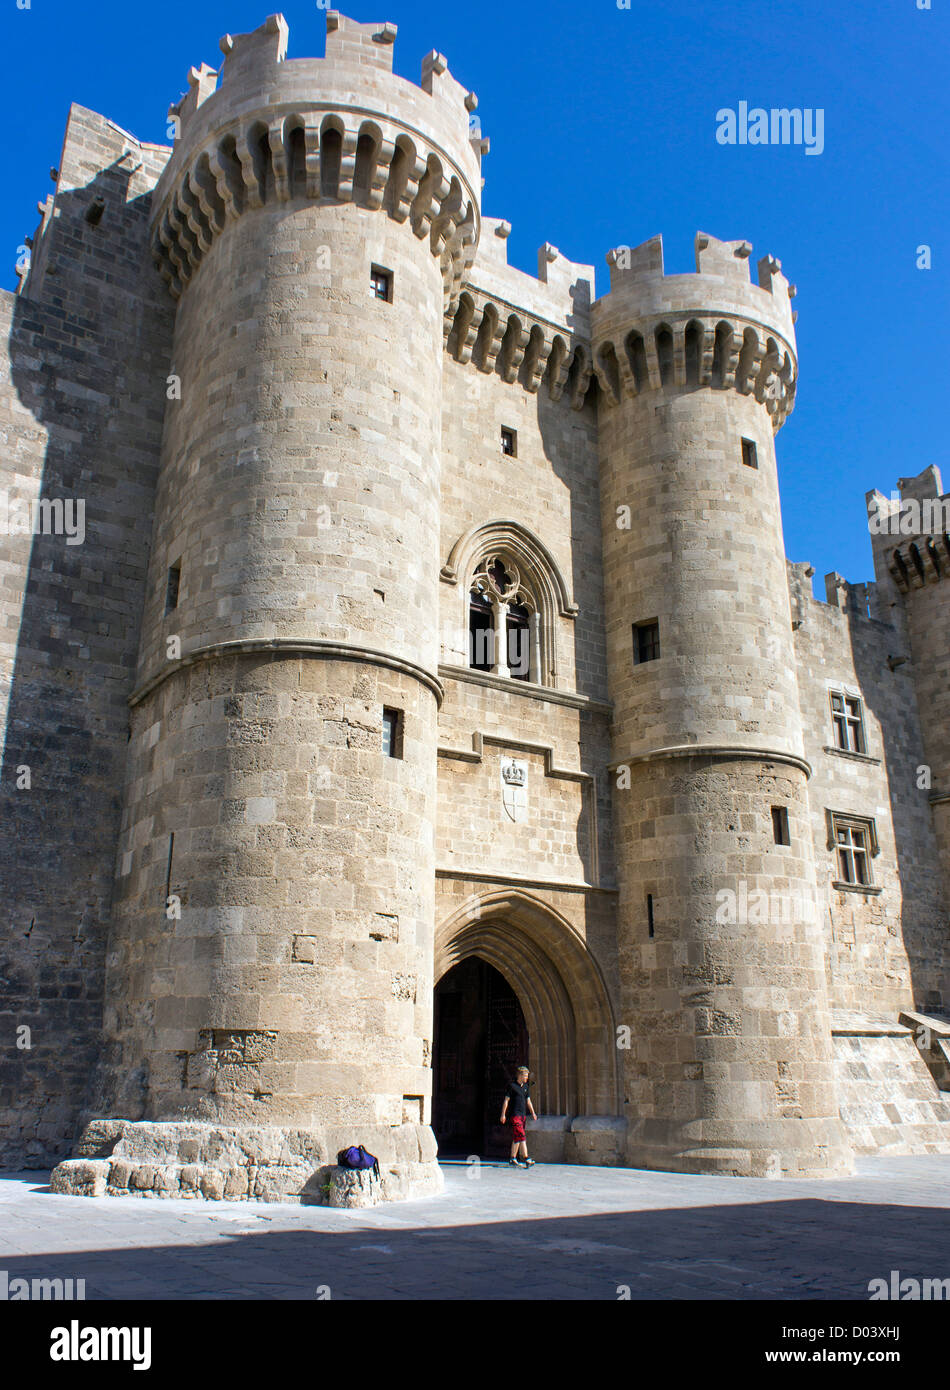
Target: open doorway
(480,1038)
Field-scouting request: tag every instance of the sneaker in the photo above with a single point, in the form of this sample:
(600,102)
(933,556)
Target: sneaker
(513,1163)
(527,1163)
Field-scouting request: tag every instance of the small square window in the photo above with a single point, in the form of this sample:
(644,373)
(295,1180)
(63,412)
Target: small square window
(381,283)
(847,716)
(392,733)
(646,641)
(749,456)
(509,443)
(172,586)
(780,825)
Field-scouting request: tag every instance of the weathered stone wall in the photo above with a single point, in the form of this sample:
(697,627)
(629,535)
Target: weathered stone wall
(730,1065)
(532,891)
(911,546)
(295,986)
(890,1103)
(86,354)
(331,475)
(299,498)
(885,947)
(730,1068)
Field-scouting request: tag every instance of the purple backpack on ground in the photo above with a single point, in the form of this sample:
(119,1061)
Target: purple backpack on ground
(357,1157)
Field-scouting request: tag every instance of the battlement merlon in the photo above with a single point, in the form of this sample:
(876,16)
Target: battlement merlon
(721,285)
(561,293)
(910,531)
(354,80)
(712,328)
(907,511)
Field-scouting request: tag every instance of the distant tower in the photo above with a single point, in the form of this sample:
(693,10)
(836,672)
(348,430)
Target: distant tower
(910,538)
(729,1067)
(272,956)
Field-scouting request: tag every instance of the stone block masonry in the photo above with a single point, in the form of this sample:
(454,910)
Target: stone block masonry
(263,790)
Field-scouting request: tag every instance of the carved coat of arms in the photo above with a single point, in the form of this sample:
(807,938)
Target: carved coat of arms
(514,788)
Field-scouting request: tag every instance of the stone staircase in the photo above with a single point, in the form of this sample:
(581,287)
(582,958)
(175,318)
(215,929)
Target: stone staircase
(893,1081)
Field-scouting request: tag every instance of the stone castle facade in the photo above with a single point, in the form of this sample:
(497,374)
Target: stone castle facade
(431,623)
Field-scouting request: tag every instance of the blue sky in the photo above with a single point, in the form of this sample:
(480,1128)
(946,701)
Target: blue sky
(603,124)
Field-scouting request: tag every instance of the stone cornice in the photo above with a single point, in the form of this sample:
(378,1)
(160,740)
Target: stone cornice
(480,741)
(919,560)
(290,646)
(507,686)
(555,884)
(714,750)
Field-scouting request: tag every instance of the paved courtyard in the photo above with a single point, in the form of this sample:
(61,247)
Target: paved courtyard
(554,1232)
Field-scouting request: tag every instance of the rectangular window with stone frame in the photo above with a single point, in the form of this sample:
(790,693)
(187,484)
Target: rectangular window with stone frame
(646,641)
(847,717)
(854,842)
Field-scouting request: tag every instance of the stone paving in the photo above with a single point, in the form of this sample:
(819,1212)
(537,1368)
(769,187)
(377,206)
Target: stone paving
(555,1232)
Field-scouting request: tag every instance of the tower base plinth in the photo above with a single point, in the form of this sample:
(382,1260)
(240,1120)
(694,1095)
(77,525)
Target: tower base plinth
(124,1158)
(755,1149)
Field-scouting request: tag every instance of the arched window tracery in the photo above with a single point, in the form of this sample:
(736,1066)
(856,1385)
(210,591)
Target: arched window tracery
(504,621)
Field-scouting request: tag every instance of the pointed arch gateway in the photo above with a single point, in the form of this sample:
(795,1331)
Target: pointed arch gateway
(561,991)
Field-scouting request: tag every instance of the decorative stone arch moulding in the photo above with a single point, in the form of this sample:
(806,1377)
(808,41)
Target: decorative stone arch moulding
(559,986)
(538,569)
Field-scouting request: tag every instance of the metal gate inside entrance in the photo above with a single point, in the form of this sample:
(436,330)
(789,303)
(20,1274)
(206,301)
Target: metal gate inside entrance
(480,1039)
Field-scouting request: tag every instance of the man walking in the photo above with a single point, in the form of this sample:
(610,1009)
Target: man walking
(520,1101)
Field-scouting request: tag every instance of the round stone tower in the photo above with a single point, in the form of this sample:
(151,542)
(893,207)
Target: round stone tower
(729,1065)
(271,968)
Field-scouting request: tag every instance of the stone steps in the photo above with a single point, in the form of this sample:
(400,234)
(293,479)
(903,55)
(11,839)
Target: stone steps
(889,1097)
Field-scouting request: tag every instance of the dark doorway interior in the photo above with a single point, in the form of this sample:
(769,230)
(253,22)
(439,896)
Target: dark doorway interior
(480,1038)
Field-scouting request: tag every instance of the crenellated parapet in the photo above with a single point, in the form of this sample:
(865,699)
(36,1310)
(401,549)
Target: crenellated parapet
(503,338)
(711,329)
(910,531)
(269,130)
(526,329)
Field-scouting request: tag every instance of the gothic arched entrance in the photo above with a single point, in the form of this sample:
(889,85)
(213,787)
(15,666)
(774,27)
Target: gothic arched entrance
(544,963)
(480,1038)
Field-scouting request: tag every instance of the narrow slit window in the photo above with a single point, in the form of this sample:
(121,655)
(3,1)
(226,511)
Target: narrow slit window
(392,733)
(749,455)
(646,641)
(172,586)
(780,825)
(650,924)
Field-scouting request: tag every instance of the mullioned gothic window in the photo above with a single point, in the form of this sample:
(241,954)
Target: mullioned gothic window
(512,601)
(847,717)
(504,622)
(854,841)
